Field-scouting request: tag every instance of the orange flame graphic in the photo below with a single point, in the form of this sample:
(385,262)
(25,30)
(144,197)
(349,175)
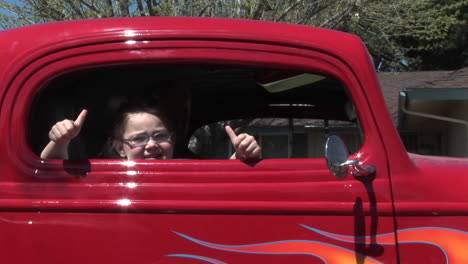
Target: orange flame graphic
(328,253)
(452,242)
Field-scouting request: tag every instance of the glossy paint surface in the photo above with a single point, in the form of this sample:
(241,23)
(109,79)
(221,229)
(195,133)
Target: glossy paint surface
(214,211)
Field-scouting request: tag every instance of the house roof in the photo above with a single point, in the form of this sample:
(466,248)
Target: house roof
(392,83)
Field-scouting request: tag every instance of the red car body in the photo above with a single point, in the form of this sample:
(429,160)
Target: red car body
(415,210)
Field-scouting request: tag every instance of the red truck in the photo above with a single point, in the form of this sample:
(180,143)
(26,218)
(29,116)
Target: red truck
(291,86)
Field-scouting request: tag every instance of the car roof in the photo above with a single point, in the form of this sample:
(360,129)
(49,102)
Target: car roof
(82,32)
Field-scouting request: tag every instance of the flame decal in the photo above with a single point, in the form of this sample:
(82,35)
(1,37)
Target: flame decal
(210,260)
(452,242)
(383,239)
(328,253)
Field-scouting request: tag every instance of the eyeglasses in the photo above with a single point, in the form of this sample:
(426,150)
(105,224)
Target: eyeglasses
(143,139)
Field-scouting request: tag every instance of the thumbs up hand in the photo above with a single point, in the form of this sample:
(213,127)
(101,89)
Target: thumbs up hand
(64,131)
(60,136)
(245,145)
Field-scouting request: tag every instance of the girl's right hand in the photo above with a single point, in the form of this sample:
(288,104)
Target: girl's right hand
(64,131)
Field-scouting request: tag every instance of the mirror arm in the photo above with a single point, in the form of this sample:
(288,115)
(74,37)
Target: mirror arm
(359,171)
(362,171)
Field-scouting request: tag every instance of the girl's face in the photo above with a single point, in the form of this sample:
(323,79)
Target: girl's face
(141,125)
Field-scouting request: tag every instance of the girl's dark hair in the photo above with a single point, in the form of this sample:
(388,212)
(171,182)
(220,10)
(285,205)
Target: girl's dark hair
(125,110)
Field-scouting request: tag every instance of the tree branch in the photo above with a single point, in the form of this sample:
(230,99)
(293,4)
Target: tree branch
(110,8)
(13,10)
(202,12)
(283,15)
(259,10)
(141,8)
(124,8)
(93,8)
(149,4)
(75,8)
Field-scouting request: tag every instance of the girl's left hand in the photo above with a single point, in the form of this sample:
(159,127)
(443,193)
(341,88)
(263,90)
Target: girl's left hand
(245,145)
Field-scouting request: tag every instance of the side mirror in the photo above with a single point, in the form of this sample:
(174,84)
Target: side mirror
(336,154)
(338,162)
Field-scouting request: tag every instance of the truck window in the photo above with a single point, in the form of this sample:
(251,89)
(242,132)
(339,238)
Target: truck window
(290,113)
(278,137)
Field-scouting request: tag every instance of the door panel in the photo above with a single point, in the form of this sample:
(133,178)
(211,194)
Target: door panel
(188,210)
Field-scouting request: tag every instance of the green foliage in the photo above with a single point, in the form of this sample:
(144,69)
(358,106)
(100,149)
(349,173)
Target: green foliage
(400,34)
(398,31)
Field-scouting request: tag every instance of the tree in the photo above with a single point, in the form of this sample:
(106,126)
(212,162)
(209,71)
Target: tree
(403,35)
(400,34)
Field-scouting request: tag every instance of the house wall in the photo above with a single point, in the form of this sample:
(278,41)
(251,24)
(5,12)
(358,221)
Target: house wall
(432,136)
(458,133)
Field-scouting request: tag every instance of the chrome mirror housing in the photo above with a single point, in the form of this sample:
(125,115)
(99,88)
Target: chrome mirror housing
(336,155)
(338,162)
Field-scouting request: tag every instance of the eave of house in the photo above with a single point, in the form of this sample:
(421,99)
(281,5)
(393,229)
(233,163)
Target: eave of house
(426,91)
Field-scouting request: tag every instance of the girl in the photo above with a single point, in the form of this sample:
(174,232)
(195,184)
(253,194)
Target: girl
(140,132)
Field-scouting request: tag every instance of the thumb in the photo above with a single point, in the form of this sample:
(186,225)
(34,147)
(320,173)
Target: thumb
(232,135)
(81,118)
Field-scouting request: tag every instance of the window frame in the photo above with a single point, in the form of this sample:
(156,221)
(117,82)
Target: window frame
(42,70)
